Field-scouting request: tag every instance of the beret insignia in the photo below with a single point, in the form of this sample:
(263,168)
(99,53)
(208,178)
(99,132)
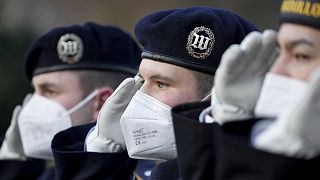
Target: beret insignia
(70,48)
(200,42)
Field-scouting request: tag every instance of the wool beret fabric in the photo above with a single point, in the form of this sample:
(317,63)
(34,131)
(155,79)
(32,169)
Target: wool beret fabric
(89,47)
(194,38)
(304,12)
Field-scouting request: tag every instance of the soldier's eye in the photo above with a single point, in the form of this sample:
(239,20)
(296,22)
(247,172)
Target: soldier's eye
(302,57)
(161,84)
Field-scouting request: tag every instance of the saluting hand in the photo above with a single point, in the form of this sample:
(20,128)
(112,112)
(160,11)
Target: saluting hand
(107,135)
(295,133)
(12,146)
(240,75)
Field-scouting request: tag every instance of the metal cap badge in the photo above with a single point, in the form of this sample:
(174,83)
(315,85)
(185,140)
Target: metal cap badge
(70,48)
(200,42)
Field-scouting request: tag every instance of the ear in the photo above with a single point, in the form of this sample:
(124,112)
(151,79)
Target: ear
(103,94)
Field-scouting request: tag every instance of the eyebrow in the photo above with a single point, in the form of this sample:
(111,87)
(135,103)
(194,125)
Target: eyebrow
(46,85)
(297,42)
(162,77)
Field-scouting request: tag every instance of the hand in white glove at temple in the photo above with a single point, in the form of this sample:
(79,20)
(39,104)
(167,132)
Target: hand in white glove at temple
(107,135)
(295,133)
(240,76)
(11,148)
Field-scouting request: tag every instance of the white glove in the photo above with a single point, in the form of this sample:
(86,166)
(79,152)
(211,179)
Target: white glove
(107,135)
(11,148)
(240,75)
(296,132)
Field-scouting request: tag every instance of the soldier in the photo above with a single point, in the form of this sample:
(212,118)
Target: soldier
(73,70)
(266,104)
(181,51)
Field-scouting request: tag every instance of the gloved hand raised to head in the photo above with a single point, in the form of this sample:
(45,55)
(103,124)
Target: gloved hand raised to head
(107,135)
(295,133)
(240,76)
(11,148)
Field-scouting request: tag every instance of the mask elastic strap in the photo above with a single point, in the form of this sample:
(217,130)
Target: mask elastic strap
(83,102)
(206,98)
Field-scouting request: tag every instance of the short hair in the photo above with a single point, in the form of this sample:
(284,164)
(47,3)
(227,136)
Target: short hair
(93,79)
(204,83)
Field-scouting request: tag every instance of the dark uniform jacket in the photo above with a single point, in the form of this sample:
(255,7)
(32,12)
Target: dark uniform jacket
(16,170)
(72,162)
(209,151)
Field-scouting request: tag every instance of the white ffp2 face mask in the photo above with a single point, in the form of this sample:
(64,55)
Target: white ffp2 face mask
(147,129)
(42,118)
(278,95)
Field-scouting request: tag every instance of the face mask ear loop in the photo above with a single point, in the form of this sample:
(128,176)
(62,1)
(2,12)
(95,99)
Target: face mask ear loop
(83,102)
(206,98)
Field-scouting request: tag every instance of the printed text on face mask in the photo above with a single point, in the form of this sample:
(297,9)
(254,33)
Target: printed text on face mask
(141,136)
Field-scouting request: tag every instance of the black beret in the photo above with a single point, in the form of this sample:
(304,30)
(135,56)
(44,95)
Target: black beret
(304,12)
(89,47)
(194,38)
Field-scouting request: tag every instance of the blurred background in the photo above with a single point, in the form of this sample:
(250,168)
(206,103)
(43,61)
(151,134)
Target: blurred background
(23,21)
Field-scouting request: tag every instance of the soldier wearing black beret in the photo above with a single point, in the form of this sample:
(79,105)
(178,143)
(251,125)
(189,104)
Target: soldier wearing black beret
(182,49)
(73,70)
(264,118)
